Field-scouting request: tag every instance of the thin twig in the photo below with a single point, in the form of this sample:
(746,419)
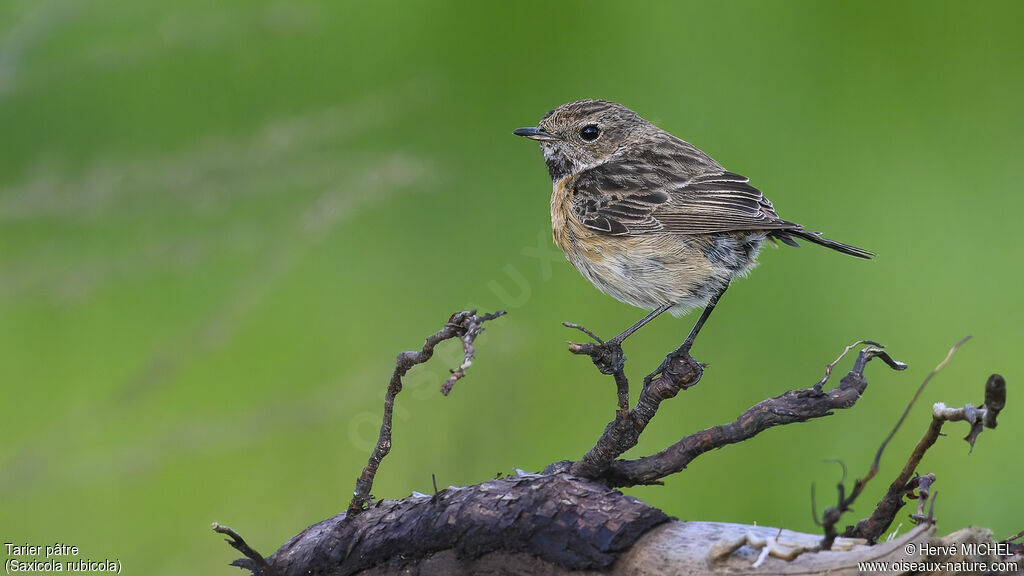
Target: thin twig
(927,379)
(906,411)
(463,325)
(1015,547)
(584,330)
(1016,536)
(885,511)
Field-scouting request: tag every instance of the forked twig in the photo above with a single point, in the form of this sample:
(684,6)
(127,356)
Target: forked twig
(256,562)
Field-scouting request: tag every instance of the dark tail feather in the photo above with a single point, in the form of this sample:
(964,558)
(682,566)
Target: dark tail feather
(785,237)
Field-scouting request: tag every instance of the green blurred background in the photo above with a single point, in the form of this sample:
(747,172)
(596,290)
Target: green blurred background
(219,222)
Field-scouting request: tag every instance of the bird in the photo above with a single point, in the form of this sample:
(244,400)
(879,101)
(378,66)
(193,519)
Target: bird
(650,219)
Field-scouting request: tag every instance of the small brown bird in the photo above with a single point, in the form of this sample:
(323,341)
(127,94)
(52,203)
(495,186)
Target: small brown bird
(649,219)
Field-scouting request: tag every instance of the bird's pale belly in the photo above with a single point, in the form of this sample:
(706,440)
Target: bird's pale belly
(650,270)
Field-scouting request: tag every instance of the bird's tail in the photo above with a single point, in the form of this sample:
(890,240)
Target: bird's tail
(785,236)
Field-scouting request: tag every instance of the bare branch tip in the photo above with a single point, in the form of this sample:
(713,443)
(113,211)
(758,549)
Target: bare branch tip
(239,543)
(871,350)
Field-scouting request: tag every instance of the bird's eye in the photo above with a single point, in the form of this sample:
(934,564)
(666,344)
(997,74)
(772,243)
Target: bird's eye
(590,133)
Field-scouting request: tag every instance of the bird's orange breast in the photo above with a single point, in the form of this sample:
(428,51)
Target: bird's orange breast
(561,211)
(566,230)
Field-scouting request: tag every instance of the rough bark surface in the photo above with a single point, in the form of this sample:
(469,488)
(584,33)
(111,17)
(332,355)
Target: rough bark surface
(560,520)
(548,525)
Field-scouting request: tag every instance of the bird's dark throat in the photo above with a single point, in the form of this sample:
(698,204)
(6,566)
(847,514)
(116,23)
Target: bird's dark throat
(558,165)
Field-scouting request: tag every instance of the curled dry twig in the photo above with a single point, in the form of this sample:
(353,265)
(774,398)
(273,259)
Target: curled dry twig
(464,325)
(473,326)
(828,368)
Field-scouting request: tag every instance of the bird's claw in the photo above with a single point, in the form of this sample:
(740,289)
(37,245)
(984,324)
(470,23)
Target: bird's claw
(608,357)
(680,368)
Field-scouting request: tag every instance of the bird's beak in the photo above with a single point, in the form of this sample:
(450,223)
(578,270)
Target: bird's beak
(535,134)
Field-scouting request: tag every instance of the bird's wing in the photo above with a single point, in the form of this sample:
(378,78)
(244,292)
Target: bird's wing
(630,198)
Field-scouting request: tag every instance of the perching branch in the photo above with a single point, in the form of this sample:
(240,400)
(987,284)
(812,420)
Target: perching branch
(466,326)
(794,406)
(623,433)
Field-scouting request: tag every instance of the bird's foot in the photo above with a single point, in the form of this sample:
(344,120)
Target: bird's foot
(607,356)
(679,368)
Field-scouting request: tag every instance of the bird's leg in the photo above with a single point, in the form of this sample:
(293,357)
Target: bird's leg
(612,358)
(643,321)
(688,343)
(683,352)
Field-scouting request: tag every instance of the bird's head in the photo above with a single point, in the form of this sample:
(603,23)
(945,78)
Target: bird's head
(583,134)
